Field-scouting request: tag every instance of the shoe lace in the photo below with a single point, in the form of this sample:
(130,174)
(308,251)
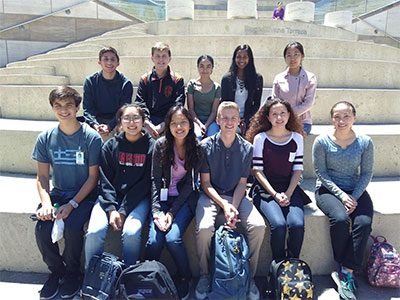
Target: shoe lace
(350,283)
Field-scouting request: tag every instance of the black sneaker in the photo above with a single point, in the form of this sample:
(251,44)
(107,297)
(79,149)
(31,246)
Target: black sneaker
(183,288)
(70,287)
(50,287)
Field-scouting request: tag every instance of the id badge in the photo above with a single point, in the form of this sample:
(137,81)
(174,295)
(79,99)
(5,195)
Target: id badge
(164,194)
(80,159)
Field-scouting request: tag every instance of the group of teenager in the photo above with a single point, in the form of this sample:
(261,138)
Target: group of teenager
(166,164)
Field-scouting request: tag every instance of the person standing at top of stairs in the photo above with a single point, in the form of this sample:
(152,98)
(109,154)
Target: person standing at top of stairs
(159,90)
(104,92)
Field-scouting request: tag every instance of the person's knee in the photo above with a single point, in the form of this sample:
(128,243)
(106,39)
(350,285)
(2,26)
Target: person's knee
(43,229)
(363,223)
(173,238)
(72,231)
(205,232)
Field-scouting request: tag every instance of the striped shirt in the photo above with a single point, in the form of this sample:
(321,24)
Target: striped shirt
(277,160)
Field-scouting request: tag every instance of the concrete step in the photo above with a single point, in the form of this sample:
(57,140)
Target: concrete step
(20,136)
(182,45)
(28,79)
(18,251)
(28,70)
(14,99)
(68,53)
(331,73)
(241,27)
(24,285)
(77,46)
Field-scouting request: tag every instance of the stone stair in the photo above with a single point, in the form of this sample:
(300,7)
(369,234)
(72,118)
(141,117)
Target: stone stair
(363,73)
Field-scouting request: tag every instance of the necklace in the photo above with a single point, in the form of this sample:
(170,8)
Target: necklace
(240,83)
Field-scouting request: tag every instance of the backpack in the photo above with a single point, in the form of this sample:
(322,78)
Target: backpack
(230,267)
(100,277)
(146,280)
(290,278)
(383,265)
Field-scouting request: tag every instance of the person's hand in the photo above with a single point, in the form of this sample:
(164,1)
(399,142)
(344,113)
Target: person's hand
(151,129)
(116,220)
(203,129)
(63,211)
(46,212)
(159,220)
(231,215)
(104,130)
(160,128)
(349,203)
(282,199)
(169,218)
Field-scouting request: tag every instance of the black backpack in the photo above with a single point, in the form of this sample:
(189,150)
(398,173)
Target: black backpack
(146,280)
(290,278)
(101,276)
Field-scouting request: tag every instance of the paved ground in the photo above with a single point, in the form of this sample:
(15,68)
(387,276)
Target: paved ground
(16,285)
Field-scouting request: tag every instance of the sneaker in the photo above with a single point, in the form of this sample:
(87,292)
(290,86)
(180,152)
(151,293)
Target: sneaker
(50,287)
(70,287)
(254,293)
(345,284)
(183,288)
(202,287)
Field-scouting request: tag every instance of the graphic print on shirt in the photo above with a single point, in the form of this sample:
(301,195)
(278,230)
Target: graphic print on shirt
(67,156)
(130,159)
(168,91)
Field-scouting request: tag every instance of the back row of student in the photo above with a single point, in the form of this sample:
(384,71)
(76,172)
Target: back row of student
(137,173)
(107,90)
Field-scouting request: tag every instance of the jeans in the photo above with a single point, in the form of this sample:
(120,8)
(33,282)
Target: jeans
(131,232)
(307,128)
(251,220)
(280,218)
(173,238)
(70,260)
(348,246)
(212,129)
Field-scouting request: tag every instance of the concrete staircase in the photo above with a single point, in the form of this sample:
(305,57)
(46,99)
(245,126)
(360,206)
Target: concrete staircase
(365,74)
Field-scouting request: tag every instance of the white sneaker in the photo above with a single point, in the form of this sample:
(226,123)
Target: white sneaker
(202,287)
(254,293)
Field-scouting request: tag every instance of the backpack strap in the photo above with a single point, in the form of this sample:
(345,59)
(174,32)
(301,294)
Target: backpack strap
(146,78)
(175,77)
(376,238)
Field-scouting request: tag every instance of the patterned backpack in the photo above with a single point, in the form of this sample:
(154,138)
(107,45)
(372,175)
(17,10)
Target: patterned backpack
(383,264)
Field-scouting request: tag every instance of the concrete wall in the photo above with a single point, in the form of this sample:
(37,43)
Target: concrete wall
(35,7)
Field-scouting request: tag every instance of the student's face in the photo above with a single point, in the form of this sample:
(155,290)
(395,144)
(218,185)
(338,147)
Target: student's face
(278,115)
(343,117)
(65,109)
(205,68)
(293,58)
(160,59)
(242,59)
(109,62)
(179,126)
(131,121)
(228,120)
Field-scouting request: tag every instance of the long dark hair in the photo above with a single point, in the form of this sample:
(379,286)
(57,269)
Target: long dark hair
(193,153)
(260,123)
(250,74)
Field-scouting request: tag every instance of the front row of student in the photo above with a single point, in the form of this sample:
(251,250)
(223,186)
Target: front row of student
(142,179)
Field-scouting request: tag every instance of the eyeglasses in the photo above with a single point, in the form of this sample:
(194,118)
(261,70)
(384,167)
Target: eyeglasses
(134,118)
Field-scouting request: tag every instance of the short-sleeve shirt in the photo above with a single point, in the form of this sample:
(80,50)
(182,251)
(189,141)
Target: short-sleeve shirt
(278,160)
(61,150)
(226,166)
(203,102)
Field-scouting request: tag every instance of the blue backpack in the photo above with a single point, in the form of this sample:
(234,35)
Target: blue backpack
(229,266)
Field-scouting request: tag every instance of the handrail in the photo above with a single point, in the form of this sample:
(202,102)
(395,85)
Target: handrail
(376,11)
(69,7)
(380,30)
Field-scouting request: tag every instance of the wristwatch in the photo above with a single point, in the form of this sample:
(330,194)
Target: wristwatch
(73,203)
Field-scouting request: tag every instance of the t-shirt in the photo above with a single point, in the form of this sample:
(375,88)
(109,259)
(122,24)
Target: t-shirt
(203,102)
(61,151)
(177,173)
(226,166)
(278,160)
(241,95)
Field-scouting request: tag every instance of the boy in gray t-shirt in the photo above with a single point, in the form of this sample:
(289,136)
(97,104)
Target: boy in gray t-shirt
(226,166)
(72,150)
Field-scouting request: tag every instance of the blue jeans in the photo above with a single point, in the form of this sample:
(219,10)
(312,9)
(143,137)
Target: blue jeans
(212,129)
(173,238)
(131,232)
(307,128)
(70,260)
(279,218)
